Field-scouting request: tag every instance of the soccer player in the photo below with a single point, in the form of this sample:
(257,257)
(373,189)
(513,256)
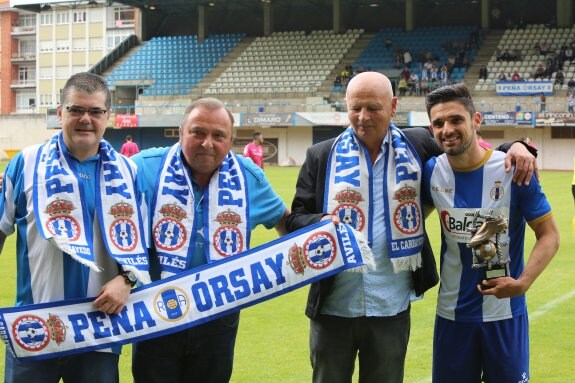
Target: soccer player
(255,150)
(481,329)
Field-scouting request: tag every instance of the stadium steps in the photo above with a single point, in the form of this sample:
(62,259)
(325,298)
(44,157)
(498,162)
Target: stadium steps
(119,62)
(217,71)
(488,47)
(348,59)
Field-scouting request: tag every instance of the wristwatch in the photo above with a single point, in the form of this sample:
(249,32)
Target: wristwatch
(129,277)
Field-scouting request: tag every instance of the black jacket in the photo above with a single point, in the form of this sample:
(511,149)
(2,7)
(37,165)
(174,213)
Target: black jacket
(307,208)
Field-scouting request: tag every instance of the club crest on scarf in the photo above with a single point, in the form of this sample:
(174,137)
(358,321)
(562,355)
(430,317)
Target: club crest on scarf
(172,304)
(123,231)
(406,216)
(31,332)
(169,232)
(61,223)
(318,252)
(228,239)
(348,209)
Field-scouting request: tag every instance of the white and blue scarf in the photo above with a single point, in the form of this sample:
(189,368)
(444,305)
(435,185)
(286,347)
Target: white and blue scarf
(188,299)
(226,227)
(349,193)
(62,216)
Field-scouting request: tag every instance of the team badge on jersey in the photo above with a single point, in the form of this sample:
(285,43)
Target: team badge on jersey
(228,238)
(31,332)
(406,216)
(123,230)
(497,192)
(171,304)
(169,233)
(61,224)
(348,210)
(319,250)
(57,329)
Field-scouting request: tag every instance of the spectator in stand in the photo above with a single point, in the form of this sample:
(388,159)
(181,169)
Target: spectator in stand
(483,72)
(337,81)
(571,86)
(516,77)
(129,148)
(443,75)
(559,77)
(570,102)
(413,83)
(407,58)
(539,71)
(433,73)
(569,53)
(502,76)
(542,102)
(402,86)
(405,73)
(424,74)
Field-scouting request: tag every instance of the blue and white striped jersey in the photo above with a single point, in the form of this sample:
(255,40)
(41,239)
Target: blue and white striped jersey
(44,272)
(485,187)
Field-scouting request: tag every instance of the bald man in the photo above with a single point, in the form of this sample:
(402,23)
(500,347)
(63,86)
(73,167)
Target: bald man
(370,177)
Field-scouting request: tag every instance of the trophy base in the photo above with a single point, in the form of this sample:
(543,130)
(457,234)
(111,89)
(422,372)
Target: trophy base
(496,273)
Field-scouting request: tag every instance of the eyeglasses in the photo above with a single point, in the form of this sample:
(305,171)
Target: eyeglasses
(77,112)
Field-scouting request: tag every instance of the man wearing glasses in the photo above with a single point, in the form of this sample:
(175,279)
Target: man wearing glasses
(61,196)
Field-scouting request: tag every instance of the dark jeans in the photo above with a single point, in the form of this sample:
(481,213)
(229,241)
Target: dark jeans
(380,343)
(203,353)
(88,367)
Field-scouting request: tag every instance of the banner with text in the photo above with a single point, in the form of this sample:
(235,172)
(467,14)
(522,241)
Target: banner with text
(523,88)
(187,299)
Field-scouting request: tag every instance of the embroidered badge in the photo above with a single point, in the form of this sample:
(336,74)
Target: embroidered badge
(61,223)
(319,250)
(169,232)
(171,304)
(57,329)
(348,210)
(123,231)
(31,332)
(406,217)
(228,239)
(296,259)
(497,192)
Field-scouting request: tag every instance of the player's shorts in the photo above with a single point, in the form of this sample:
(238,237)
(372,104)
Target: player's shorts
(466,352)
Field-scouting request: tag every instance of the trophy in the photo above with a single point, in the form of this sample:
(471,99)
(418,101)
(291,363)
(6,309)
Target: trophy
(485,244)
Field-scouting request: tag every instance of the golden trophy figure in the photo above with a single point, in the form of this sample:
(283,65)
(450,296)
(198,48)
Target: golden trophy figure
(485,244)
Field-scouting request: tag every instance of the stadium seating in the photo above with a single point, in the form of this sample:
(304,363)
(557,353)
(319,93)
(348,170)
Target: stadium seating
(285,62)
(172,65)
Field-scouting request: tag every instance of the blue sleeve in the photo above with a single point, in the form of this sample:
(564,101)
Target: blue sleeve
(532,202)
(12,206)
(265,206)
(149,164)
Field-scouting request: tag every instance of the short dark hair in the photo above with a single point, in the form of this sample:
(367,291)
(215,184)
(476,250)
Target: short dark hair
(86,82)
(455,92)
(256,135)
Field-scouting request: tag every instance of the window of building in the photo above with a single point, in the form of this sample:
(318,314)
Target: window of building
(25,100)
(62,18)
(26,75)
(115,37)
(123,17)
(46,99)
(46,46)
(27,20)
(27,48)
(62,45)
(46,18)
(79,44)
(79,17)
